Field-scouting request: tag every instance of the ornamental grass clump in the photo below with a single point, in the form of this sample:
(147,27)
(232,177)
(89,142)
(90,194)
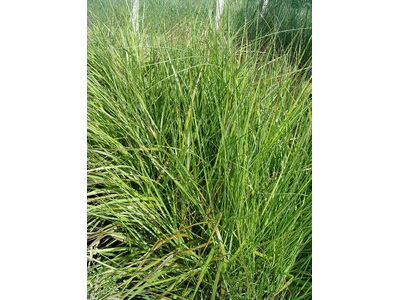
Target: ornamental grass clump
(199,160)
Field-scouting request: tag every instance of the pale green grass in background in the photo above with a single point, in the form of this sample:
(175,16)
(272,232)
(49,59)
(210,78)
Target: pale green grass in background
(199,155)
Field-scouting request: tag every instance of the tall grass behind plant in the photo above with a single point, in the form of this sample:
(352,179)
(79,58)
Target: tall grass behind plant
(199,165)
(285,24)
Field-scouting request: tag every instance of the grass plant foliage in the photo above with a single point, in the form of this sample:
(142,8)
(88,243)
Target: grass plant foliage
(199,156)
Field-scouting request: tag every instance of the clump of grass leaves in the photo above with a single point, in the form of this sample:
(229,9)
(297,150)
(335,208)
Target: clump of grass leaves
(199,161)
